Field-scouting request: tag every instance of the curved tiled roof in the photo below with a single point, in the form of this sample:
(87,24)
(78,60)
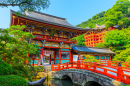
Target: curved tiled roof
(50,19)
(92,49)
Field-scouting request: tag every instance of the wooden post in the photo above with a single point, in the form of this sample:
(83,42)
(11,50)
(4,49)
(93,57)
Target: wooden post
(58,67)
(110,57)
(94,67)
(54,57)
(78,64)
(50,59)
(119,73)
(70,59)
(99,57)
(59,56)
(42,50)
(105,58)
(51,67)
(108,63)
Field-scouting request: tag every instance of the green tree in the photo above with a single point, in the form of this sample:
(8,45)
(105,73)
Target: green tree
(118,14)
(100,45)
(89,58)
(24,5)
(80,39)
(118,41)
(14,45)
(122,55)
(96,19)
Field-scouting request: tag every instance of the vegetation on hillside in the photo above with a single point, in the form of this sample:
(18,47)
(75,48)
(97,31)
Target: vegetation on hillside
(96,19)
(117,15)
(119,42)
(79,39)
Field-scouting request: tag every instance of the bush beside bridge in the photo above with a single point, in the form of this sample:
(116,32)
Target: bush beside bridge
(12,80)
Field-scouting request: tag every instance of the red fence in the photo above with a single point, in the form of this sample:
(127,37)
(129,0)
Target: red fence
(109,68)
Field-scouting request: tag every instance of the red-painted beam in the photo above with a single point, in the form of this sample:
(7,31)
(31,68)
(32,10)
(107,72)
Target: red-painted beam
(53,40)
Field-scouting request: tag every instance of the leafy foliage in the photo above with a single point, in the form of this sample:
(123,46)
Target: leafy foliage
(122,55)
(22,70)
(100,45)
(89,58)
(96,19)
(14,45)
(80,39)
(118,14)
(12,80)
(118,41)
(5,69)
(24,5)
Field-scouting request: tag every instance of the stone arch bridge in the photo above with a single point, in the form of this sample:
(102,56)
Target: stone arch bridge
(85,77)
(104,74)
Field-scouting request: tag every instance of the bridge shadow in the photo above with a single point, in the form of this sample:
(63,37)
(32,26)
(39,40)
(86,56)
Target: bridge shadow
(92,83)
(67,81)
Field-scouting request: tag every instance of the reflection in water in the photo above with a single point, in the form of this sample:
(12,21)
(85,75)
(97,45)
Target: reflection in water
(67,82)
(57,82)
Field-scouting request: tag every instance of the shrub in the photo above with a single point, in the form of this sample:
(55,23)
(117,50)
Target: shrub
(21,70)
(12,80)
(39,68)
(89,58)
(5,68)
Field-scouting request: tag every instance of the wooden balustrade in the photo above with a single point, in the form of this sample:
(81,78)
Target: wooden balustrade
(108,68)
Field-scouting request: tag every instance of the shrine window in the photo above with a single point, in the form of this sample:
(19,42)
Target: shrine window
(102,57)
(35,61)
(64,55)
(30,61)
(96,57)
(57,55)
(108,57)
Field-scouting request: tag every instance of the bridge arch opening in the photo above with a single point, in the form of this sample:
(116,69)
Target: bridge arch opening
(66,77)
(92,83)
(66,80)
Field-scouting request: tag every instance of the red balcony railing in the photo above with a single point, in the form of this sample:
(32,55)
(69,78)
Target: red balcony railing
(109,68)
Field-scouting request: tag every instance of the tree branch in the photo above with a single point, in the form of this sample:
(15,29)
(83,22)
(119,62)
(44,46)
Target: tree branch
(1,4)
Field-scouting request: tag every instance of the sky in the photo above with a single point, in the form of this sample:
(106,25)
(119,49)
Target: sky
(75,11)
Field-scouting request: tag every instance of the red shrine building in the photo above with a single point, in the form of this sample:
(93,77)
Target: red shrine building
(95,35)
(52,35)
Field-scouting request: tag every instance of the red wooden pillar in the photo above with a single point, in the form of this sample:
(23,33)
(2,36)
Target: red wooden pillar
(50,59)
(99,57)
(59,56)
(70,59)
(110,57)
(42,51)
(105,58)
(54,57)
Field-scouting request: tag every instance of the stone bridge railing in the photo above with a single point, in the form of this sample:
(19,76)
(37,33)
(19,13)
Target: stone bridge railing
(86,78)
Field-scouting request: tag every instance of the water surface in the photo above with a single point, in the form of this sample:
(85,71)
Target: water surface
(57,82)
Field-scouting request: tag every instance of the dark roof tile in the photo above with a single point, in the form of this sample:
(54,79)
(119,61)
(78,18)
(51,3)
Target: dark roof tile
(92,49)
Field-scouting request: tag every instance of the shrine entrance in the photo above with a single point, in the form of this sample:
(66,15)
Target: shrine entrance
(48,57)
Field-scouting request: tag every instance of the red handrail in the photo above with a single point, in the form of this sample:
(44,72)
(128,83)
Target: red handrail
(106,68)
